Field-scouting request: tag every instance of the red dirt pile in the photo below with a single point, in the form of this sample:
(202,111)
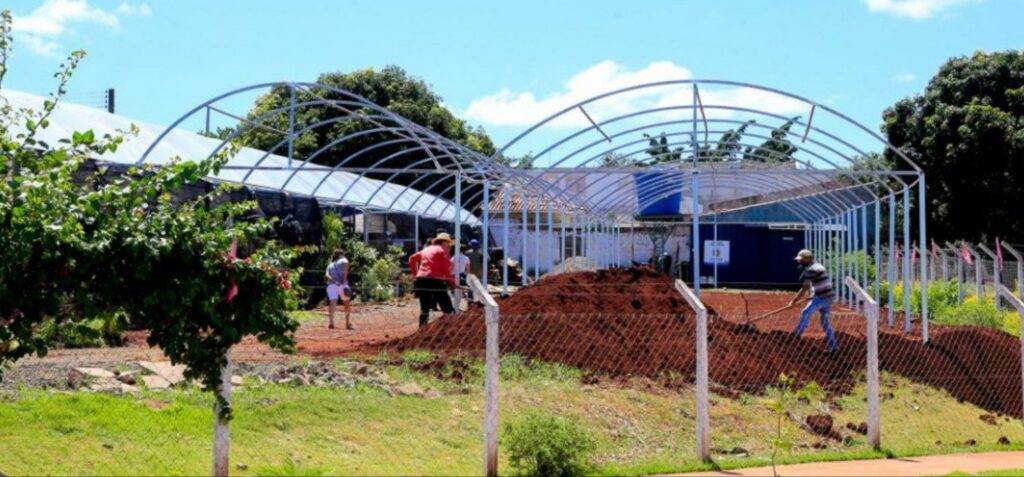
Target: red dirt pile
(632,323)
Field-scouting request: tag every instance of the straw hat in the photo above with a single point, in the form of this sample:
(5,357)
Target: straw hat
(804,254)
(443,237)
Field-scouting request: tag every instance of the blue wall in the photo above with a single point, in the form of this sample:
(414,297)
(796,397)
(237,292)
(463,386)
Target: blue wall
(758,256)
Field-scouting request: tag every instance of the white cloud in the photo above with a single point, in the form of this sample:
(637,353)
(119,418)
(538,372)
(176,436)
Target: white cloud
(508,108)
(128,10)
(904,77)
(41,29)
(914,9)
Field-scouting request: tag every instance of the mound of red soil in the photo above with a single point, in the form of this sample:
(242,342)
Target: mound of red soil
(821,424)
(634,323)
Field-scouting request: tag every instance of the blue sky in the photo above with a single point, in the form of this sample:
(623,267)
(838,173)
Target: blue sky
(501,64)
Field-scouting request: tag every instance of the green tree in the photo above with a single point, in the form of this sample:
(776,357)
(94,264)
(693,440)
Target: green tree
(391,88)
(777,149)
(966,131)
(659,150)
(728,147)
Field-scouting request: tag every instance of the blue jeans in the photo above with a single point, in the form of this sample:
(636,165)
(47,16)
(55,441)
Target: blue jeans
(824,307)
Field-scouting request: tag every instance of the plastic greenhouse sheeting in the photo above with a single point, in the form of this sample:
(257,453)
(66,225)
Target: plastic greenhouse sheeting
(339,187)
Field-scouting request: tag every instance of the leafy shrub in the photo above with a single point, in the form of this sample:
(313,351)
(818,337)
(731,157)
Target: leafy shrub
(98,332)
(941,295)
(851,259)
(547,445)
(976,312)
(371,274)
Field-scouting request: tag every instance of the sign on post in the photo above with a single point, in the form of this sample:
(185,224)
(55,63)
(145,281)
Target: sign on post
(716,252)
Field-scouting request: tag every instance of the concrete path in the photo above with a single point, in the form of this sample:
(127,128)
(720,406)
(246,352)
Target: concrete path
(935,465)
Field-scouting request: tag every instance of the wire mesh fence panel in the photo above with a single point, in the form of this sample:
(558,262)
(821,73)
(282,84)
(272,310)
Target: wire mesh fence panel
(581,354)
(610,355)
(348,403)
(961,390)
(779,393)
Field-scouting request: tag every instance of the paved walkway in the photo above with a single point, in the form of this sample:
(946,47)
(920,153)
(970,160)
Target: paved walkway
(934,465)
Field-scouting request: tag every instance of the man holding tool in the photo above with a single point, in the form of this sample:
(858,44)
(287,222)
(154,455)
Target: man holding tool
(817,282)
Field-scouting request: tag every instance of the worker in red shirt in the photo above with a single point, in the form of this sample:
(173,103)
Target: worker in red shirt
(432,268)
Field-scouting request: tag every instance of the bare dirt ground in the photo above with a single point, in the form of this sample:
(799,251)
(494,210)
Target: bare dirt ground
(379,323)
(375,323)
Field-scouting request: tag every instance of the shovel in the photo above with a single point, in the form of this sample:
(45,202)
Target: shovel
(770,313)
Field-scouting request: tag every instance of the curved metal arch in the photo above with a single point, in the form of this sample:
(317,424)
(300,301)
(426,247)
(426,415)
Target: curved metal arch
(757,184)
(627,177)
(706,143)
(750,122)
(454,154)
(744,179)
(289,84)
(754,153)
(696,82)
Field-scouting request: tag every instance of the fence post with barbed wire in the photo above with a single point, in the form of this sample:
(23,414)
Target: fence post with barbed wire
(490,375)
(996,272)
(1017,304)
(1020,266)
(871,313)
(703,419)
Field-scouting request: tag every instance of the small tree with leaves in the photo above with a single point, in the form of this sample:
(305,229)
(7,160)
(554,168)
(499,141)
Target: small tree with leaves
(74,248)
(779,400)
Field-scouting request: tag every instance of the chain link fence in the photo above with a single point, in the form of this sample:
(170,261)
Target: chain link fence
(612,356)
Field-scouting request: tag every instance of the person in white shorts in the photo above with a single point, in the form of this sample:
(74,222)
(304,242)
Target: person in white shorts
(337,287)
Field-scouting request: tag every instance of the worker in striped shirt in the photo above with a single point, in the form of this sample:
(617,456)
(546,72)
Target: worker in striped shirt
(818,284)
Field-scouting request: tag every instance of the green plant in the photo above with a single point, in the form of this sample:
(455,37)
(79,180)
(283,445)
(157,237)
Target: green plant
(371,274)
(547,445)
(778,400)
(975,312)
(941,294)
(415,357)
(198,273)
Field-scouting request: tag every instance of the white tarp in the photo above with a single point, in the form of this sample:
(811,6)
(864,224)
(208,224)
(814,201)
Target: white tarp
(329,187)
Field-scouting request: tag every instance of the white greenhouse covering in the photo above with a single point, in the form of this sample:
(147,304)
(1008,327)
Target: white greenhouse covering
(327,186)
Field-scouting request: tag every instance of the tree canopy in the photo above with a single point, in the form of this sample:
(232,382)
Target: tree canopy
(392,88)
(966,131)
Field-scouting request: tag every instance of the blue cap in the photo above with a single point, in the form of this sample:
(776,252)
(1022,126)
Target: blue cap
(474,243)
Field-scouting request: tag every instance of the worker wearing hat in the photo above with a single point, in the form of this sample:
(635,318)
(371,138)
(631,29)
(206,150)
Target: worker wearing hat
(432,269)
(818,284)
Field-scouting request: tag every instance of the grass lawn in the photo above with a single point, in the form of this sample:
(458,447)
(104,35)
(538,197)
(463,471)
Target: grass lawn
(285,430)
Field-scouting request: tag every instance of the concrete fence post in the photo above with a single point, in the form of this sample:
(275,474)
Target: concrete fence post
(221,424)
(997,279)
(1016,302)
(703,416)
(871,313)
(1020,266)
(490,376)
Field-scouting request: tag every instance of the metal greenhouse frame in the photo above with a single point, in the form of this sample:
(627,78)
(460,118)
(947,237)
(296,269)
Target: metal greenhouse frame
(836,191)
